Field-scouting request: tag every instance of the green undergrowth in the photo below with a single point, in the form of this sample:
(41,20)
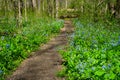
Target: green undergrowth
(93,52)
(16,43)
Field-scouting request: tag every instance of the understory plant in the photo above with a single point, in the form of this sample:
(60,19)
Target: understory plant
(93,52)
(15,46)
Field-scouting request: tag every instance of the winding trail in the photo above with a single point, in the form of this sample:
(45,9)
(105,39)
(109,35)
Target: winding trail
(45,63)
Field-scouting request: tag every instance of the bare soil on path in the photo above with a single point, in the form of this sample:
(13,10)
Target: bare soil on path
(46,62)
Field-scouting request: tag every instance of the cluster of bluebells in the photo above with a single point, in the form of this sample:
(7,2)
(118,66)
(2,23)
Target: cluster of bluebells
(81,67)
(106,67)
(2,37)
(7,46)
(1,72)
(95,47)
(15,45)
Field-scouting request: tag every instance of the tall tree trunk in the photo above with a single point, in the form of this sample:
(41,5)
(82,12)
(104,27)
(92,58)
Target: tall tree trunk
(106,9)
(82,6)
(49,7)
(118,8)
(19,13)
(39,4)
(111,7)
(25,8)
(57,7)
(6,9)
(15,8)
(53,9)
(34,6)
(95,12)
(43,6)
(66,4)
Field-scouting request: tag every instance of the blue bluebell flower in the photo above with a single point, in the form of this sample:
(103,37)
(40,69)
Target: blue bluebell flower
(73,35)
(119,37)
(93,68)
(2,37)
(109,65)
(114,44)
(78,24)
(103,67)
(119,42)
(72,43)
(77,47)
(1,72)
(80,65)
(83,33)
(7,46)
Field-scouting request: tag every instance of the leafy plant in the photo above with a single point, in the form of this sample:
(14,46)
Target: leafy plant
(93,52)
(17,45)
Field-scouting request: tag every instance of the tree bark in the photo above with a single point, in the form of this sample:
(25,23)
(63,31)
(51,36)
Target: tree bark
(53,9)
(25,4)
(33,3)
(43,6)
(15,8)
(57,7)
(39,4)
(66,4)
(118,8)
(19,13)
(111,8)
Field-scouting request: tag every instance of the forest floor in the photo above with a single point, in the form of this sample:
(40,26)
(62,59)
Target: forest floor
(45,63)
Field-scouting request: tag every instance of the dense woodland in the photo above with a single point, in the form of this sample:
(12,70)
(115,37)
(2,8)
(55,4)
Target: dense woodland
(25,24)
(20,9)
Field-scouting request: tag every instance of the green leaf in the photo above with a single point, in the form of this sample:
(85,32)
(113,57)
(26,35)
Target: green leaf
(99,73)
(112,75)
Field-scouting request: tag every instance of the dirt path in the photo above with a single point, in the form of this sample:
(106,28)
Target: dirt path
(45,63)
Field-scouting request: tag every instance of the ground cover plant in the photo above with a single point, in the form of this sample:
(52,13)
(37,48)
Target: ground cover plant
(94,47)
(17,43)
(93,52)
